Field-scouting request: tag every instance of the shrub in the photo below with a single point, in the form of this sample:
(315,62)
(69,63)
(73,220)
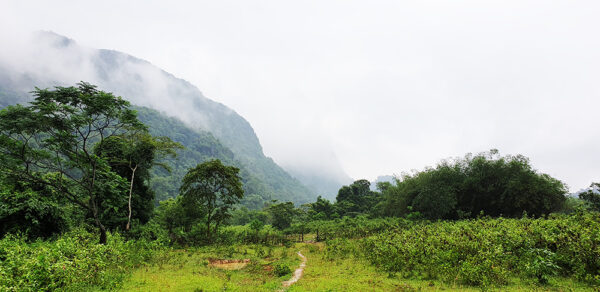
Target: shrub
(281,270)
(486,252)
(73,261)
(541,264)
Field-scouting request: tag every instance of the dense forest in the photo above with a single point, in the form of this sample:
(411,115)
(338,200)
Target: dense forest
(96,193)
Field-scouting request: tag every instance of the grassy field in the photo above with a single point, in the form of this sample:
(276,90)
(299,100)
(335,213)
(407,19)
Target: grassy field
(191,270)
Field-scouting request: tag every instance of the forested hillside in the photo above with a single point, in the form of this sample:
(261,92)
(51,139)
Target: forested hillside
(202,146)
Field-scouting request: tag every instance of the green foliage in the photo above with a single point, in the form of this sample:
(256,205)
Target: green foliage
(281,270)
(210,190)
(132,155)
(322,209)
(592,197)
(572,205)
(256,225)
(340,248)
(74,261)
(282,214)
(243,216)
(486,252)
(29,213)
(51,141)
(183,229)
(355,199)
(357,227)
(541,264)
(497,186)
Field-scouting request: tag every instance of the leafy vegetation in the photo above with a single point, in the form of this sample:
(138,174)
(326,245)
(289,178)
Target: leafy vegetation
(213,189)
(485,251)
(485,183)
(50,144)
(72,262)
(592,197)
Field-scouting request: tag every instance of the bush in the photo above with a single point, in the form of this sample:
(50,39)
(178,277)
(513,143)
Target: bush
(73,261)
(31,214)
(541,264)
(281,270)
(486,252)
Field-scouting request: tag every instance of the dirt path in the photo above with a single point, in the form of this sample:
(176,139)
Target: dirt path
(297,273)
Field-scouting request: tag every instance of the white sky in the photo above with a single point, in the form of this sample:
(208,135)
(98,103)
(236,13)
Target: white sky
(386,86)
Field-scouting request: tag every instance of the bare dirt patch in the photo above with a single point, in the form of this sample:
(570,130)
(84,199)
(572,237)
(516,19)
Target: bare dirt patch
(228,264)
(268,268)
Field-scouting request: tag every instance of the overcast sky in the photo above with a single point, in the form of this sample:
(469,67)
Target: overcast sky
(386,86)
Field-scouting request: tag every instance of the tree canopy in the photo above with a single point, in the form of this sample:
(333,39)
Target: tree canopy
(211,189)
(592,197)
(489,183)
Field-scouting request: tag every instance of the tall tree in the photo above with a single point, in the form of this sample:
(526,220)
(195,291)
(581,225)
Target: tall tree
(214,188)
(282,214)
(321,209)
(592,196)
(132,155)
(51,141)
(355,198)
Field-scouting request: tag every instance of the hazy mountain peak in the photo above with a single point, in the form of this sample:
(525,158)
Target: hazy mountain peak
(53,39)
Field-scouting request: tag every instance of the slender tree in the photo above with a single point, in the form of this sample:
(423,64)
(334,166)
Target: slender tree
(134,152)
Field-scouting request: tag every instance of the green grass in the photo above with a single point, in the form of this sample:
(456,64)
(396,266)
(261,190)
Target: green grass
(351,274)
(188,270)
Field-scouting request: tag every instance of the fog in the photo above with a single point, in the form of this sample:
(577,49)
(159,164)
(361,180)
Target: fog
(379,87)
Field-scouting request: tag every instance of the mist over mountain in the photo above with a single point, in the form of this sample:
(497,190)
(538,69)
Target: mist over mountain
(576,194)
(201,146)
(47,59)
(321,181)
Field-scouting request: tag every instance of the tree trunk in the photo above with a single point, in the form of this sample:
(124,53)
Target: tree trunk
(216,230)
(102,234)
(208,230)
(101,227)
(94,207)
(130,193)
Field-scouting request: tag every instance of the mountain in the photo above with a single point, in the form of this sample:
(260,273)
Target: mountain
(382,178)
(203,146)
(323,182)
(48,60)
(592,188)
